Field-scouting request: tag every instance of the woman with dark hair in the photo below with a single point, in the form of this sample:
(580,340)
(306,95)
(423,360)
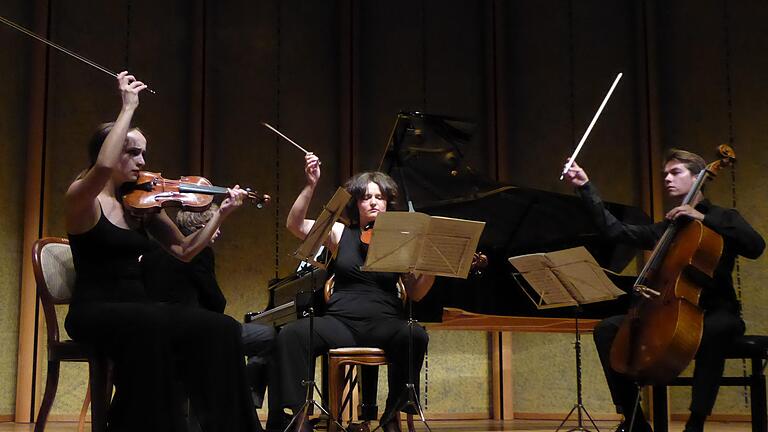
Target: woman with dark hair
(154,347)
(364,309)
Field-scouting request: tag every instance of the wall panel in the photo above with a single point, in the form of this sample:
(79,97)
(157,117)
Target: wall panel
(333,74)
(14,125)
(241,89)
(391,73)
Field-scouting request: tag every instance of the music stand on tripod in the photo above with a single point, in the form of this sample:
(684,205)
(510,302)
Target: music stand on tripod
(405,242)
(567,278)
(307,251)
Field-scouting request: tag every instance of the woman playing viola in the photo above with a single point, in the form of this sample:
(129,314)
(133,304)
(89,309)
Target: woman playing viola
(364,309)
(156,348)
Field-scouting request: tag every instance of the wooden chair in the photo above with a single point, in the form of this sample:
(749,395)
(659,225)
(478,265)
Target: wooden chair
(55,279)
(339,358)
(753,348)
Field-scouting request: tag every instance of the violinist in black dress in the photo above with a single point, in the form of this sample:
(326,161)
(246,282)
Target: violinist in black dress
(364,309)
(154,347)
(722,322)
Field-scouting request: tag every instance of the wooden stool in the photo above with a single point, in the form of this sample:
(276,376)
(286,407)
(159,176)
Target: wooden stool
(338,358)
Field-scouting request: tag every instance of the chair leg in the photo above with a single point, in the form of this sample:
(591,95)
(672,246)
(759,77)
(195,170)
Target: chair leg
(101,392)
(758,397)
(84,408)
(51,385)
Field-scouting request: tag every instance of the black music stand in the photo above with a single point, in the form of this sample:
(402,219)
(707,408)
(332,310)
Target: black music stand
(578,407)
(308,251)
(567,278)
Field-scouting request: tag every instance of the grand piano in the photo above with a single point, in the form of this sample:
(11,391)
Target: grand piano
(425,156)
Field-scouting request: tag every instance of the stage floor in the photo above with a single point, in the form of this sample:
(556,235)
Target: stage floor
(447,426)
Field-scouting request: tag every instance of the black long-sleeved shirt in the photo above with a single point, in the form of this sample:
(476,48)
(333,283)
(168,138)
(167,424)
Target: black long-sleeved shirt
(739,238)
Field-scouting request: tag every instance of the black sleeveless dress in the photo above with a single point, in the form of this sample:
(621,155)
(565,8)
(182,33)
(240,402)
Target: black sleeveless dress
(159,351)
(364,310)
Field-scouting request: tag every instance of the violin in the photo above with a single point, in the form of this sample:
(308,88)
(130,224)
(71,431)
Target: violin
(151,193)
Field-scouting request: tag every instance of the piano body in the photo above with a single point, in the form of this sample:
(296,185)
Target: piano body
(425,157)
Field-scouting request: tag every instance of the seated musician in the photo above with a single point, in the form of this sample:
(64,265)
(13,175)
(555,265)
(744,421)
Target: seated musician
(364,309)
(194,284)
(722,322)
(111,311)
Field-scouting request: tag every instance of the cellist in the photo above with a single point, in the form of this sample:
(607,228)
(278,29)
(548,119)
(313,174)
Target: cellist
(722,321)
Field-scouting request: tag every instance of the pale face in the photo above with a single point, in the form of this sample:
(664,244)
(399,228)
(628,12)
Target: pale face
(132,158)
(371,204)
(678,180)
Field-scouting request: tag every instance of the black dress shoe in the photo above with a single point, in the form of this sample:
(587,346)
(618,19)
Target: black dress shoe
(639,426)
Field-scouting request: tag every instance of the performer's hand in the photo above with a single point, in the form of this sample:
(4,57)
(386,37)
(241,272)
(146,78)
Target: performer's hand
(312,168)
(685,210)
(233,201)
(576,175)
(129,89)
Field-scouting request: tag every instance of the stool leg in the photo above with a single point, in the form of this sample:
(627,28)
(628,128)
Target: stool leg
(758,397)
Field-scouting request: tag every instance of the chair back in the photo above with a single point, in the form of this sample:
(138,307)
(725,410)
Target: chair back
(55,278)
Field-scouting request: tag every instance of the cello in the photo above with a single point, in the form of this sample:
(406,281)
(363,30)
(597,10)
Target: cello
(662,331)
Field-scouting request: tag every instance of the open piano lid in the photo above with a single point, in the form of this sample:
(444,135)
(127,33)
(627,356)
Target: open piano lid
(425,156)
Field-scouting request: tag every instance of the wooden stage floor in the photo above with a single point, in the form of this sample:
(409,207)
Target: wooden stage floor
(447,426)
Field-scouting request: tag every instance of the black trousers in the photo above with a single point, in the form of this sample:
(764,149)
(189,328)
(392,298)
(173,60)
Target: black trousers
(157,346)
(720,327)
(291,353)
(258,340)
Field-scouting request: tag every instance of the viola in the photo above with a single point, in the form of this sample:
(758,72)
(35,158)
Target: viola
(152,192)
(662,330)
(366,233)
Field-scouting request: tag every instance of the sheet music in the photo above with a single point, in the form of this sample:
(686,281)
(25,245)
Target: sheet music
(405,241)
(449,245)
(549,287)
(567,277)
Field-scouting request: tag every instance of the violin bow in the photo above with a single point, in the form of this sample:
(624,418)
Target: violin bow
(572,159)
(77,56)
(268,126)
